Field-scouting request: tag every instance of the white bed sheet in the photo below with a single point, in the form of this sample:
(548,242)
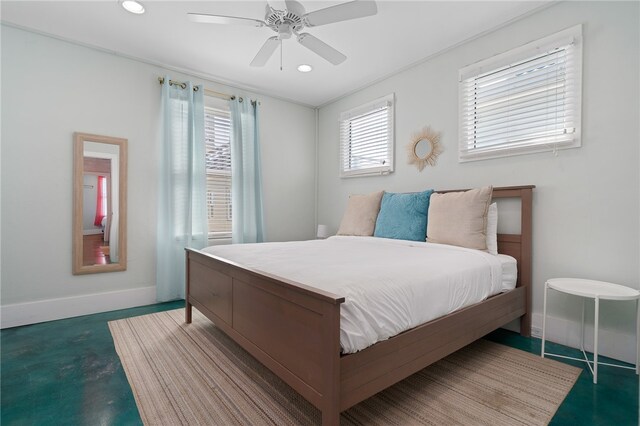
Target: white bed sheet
(389,286)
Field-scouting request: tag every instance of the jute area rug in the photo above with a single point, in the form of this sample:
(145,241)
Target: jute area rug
(195,375)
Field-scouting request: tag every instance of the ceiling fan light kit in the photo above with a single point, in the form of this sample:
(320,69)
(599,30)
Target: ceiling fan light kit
(291,21)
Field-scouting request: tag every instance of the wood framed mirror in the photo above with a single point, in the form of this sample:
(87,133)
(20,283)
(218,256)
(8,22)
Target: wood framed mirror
(99,204)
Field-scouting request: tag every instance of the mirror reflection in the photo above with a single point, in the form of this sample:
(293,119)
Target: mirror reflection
(422,148)
(100,204)
(99,233)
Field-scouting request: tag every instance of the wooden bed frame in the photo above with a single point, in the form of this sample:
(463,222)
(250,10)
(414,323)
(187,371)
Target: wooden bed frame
(294,330)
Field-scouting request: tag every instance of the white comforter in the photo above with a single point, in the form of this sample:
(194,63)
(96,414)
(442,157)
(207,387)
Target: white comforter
(389,286)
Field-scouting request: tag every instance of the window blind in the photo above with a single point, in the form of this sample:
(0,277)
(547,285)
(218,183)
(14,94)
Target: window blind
(217,133)
(366,139)
(530,104)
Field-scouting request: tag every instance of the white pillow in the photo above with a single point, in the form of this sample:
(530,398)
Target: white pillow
(492,229)
(459,218)
(361,214)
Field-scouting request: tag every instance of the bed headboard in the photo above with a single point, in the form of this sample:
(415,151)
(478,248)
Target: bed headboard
(518,246)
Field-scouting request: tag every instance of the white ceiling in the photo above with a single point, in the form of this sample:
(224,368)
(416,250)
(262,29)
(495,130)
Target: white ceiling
(402,33)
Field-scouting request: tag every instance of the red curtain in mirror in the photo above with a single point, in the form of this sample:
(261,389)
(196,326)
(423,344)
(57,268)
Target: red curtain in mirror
(101,206)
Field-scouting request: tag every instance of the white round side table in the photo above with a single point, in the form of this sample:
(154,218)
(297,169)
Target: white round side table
(597,290)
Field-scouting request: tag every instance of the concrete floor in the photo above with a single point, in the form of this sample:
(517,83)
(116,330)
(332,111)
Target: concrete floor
(67,373)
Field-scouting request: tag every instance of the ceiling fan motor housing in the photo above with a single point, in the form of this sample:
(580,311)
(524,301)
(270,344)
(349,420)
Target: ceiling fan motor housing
(285,21)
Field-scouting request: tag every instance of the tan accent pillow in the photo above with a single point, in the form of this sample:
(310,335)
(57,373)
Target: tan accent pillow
(459,218)
(361,214)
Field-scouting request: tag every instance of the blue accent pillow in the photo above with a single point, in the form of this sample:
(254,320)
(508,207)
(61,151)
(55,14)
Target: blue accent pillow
(403,216)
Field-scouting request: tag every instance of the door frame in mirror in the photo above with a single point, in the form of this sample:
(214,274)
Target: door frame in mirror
(78,186)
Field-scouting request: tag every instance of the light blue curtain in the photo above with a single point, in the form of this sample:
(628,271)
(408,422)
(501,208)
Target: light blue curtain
(182,185)
(246,177)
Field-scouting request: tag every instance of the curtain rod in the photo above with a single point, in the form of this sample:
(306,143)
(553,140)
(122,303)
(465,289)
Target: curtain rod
(207,91)
(195,88)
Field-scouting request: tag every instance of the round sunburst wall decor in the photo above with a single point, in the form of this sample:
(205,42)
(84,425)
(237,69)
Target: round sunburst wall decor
(424,148)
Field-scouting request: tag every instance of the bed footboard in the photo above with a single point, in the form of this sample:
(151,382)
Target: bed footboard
(293,330)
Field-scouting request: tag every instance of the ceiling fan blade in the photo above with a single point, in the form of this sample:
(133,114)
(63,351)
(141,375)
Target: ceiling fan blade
(295,7)
(221,19)
(321,48)
(341,12)
(277,4)
(265,52)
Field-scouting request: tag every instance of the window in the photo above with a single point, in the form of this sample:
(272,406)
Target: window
(217,134)
(366,139)
(522,101)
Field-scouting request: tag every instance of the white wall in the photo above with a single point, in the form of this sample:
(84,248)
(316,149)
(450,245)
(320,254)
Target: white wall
(51,88)
(586,200)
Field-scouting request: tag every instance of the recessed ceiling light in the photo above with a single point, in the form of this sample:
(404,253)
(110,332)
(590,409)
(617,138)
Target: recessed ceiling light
(304,68)
(133,6)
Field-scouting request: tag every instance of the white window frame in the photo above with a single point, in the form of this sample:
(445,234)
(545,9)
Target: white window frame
(219,237)
(569,40)
(386,102)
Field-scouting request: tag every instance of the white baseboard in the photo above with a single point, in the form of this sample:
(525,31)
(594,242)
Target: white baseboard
(54,309)
(611,343)
(92,231)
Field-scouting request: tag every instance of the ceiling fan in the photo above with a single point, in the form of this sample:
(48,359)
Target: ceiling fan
(291,21)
